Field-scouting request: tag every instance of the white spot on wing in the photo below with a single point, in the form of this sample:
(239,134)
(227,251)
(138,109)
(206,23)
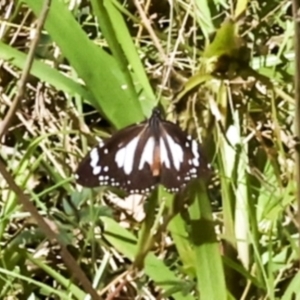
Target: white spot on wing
(193,170)
(120,157)
(96,170)
(195,153)
(163,153)
(94,155)
(148,152)
(125,156)
(176,152)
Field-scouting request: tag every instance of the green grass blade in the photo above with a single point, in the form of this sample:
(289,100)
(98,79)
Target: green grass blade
(118,37)
(208,262)
(45,73)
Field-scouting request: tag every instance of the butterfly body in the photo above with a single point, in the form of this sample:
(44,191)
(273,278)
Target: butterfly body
(140,156)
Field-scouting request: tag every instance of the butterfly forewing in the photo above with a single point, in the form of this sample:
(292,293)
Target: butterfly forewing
(115,163)
(181,157)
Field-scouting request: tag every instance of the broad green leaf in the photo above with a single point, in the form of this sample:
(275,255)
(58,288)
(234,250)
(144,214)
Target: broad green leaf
(204,16)
(208,262)
(292,291)
(225,41)
(240,8)
(94,66)
(118,36)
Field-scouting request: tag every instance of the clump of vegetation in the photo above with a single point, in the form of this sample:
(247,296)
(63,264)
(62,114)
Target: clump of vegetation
(224,72)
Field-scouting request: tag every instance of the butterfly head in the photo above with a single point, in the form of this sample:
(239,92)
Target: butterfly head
(155,119)
(156,112)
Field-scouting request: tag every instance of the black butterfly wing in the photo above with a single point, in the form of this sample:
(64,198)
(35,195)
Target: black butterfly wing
(123,161)
(138,157)
(181,157)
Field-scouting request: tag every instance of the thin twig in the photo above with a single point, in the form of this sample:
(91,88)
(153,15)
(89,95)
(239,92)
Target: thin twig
(296,14)
(22,82)
(148,26)
(122,283)
(163,56)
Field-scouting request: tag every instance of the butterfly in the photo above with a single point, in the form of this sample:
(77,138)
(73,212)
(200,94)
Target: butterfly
(140,156)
